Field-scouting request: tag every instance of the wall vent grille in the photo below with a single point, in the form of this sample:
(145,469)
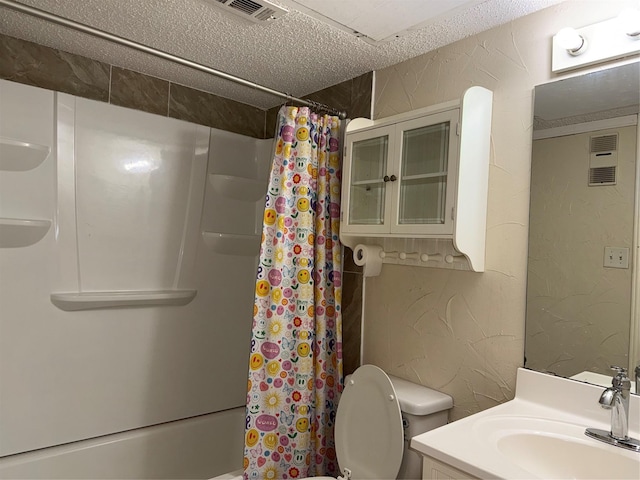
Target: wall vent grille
(602,176)
(258,11)
(604,143)
(603,160)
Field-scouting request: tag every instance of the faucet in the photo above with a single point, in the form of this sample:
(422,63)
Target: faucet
(616,398)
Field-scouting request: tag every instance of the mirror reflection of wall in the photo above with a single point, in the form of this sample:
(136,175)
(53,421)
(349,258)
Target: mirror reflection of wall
(583,181)
(578,310)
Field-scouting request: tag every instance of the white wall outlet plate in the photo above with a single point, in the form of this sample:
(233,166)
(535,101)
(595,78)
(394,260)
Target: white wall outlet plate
(616,257)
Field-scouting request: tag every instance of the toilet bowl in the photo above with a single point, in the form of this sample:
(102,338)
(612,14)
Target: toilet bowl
(377,416)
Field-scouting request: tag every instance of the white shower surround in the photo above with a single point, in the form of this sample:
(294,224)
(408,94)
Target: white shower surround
(104,377)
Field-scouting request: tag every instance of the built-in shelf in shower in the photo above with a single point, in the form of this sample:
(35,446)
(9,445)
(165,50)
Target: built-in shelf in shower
(18,156)
(135,298)
(22,232)
(232,244)
(238,188)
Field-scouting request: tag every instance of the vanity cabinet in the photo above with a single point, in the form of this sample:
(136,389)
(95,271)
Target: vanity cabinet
(420,175)
(433,469)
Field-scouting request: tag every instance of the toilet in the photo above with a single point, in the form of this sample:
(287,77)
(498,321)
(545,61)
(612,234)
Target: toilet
(377,416)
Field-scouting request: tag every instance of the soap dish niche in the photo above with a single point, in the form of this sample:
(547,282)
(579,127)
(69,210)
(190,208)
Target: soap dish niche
(16,156)
(22,232)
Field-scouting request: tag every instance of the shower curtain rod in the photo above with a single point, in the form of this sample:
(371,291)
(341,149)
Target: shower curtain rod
(35,12)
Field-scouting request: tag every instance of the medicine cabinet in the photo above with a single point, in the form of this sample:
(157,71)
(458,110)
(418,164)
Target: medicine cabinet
(420,175)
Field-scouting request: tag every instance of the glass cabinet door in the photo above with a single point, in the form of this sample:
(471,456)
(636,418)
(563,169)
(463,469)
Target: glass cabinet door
(369,154)
(424,188)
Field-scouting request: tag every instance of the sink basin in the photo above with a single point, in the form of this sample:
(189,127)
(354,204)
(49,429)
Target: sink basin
(566,458)
(559,450)
(540,434)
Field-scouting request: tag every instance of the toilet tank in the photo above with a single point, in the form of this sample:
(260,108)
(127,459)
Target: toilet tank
(423,409)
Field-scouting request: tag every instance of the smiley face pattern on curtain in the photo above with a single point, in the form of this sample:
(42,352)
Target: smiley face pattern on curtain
(295,367)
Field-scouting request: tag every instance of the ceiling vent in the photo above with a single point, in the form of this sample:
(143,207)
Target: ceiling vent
(603,160)
(257,11)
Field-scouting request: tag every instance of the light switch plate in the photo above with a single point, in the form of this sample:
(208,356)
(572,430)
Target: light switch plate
(616,257)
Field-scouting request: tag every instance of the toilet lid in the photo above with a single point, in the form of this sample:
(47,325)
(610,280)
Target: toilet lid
(369,433)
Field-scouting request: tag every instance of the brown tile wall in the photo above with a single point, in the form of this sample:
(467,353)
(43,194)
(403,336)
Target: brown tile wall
(351,312)
(33,64)
(142,92)
(353,95)
(40,66)
(217,112)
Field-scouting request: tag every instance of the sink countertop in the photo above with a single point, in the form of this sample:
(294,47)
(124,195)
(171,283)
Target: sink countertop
(543,404)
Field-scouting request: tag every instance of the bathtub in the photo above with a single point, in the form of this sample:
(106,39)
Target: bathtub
(236,475)
(196,448)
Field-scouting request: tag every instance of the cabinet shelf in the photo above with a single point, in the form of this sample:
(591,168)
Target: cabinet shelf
(18,156)
(233,244)
(367,182)
(22,232)
(424,176)
(238,188)
(135,298)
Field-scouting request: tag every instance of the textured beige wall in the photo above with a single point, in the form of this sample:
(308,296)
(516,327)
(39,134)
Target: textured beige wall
(463,332)
(577,310)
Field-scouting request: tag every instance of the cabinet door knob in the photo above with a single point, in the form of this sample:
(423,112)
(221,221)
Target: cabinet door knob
(386,178)
(393,178)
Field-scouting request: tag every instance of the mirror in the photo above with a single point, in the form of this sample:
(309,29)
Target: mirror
(582,220)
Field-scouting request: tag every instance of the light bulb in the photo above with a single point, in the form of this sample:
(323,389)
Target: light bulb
(629,21)
(569,39)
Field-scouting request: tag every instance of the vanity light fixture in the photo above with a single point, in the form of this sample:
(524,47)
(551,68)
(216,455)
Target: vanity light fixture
(569,39)
(614,38)
(629,20)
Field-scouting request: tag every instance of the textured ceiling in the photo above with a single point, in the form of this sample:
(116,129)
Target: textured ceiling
(295,54)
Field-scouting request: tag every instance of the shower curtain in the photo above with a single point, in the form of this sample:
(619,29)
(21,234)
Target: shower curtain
(295,367)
